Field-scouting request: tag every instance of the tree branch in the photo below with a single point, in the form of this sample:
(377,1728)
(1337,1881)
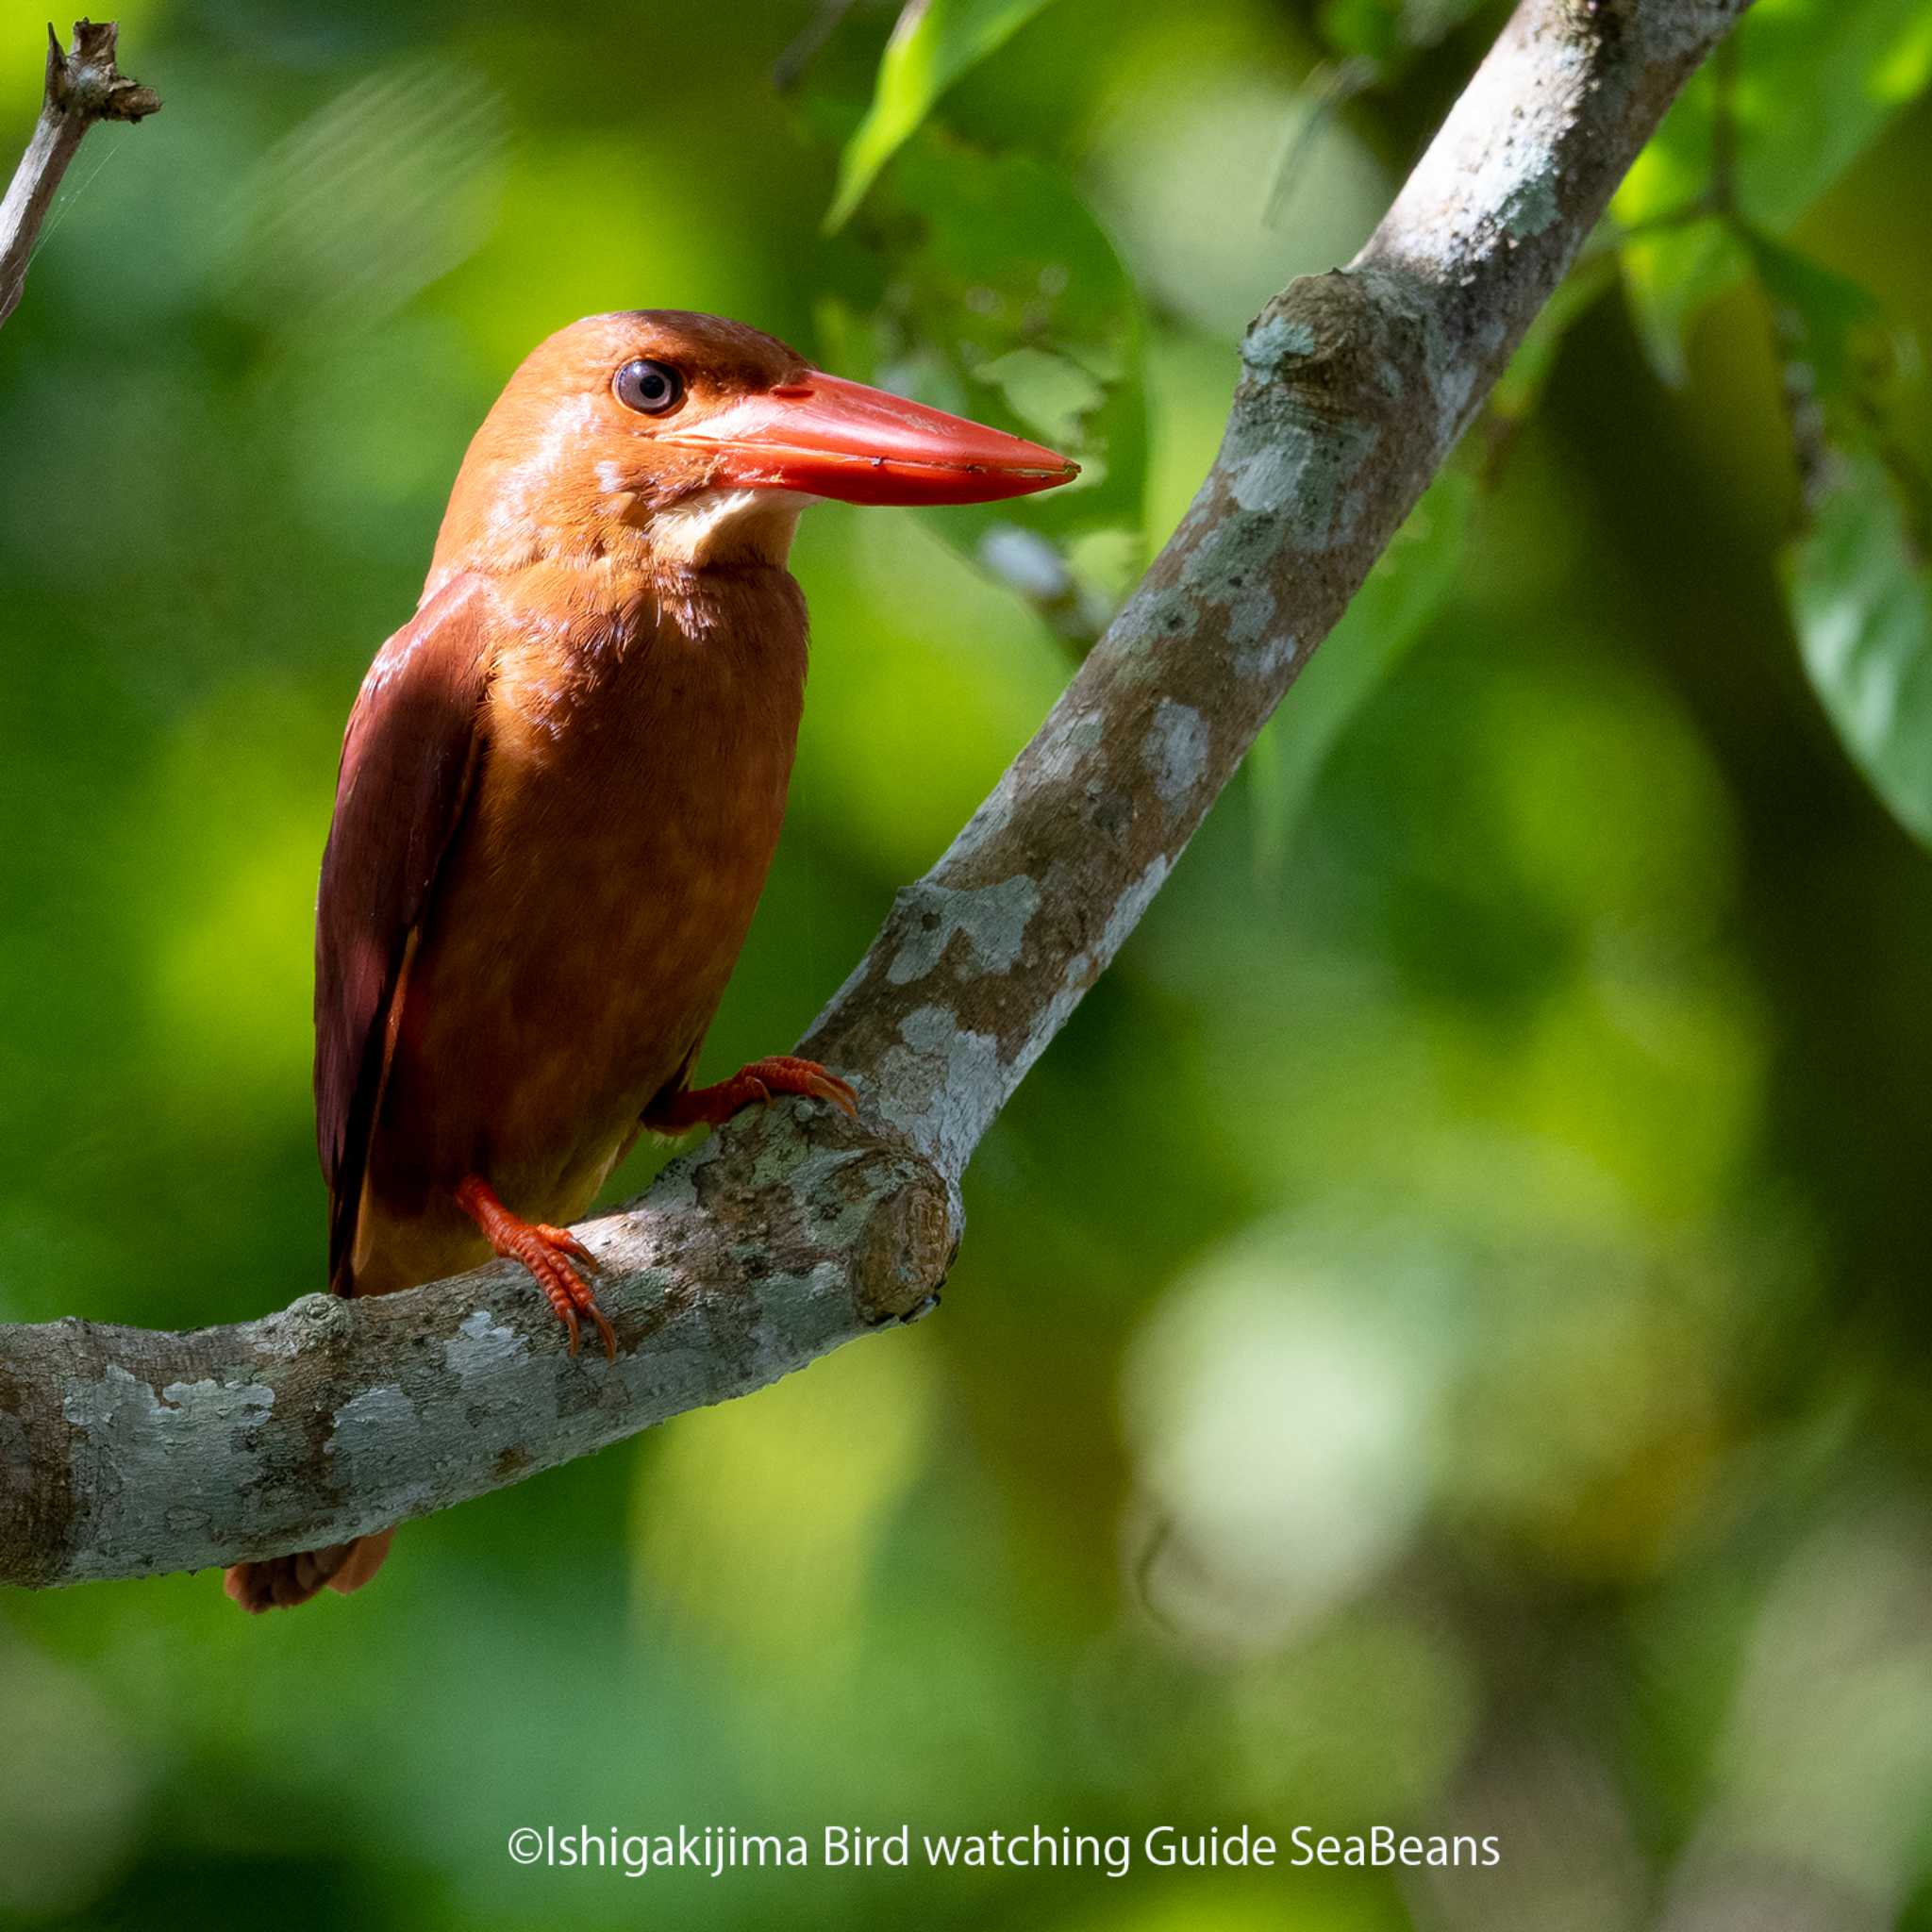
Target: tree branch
(123,1452)
(82,87)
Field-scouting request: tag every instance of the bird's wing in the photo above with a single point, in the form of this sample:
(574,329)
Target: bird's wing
(409,760)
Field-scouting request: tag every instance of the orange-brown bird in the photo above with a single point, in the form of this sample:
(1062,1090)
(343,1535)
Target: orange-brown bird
(561,789)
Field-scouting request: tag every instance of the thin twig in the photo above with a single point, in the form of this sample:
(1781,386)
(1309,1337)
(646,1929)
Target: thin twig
(83,86)
(1724,131)
(788,69)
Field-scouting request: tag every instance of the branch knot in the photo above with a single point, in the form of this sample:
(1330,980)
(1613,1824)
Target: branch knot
(87,84)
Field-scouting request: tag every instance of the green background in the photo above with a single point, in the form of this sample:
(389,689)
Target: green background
(1443,1338)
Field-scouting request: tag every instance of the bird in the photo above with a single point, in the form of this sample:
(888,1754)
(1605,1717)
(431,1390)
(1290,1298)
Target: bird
(560,788)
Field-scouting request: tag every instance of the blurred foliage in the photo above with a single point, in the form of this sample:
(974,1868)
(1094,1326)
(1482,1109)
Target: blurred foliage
(1005,302)
(1388,35)
(1405,590)
(1443,1338)
(1761,132)
(933,44)
(1862,605)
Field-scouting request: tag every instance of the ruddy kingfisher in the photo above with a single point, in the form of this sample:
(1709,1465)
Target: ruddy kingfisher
(561,789)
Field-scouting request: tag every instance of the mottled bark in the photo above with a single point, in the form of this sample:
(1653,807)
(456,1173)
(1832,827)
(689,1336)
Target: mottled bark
(83,86)
(123,1452)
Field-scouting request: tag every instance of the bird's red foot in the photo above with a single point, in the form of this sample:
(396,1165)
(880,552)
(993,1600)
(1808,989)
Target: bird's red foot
(552,1255)
(760,1083)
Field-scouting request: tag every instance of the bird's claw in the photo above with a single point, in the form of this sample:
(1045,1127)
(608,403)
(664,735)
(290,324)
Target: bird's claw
(561,1238)
(553,1256)
(787,1073)
(756,1085)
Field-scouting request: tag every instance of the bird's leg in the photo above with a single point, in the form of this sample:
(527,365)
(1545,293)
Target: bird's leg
(551,1253)
(712,1106)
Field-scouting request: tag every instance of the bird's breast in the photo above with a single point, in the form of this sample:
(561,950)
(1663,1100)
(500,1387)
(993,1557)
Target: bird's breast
(631,791)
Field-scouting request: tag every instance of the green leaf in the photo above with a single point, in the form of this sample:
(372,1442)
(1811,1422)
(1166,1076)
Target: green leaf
(933,44)
(1861,605)
(1668,277)
(1000,297)
(1409,585)
(1825,321)
(1811,84)
(1363,29)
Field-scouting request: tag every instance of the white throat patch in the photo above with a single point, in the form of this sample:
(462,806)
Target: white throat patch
(717,524)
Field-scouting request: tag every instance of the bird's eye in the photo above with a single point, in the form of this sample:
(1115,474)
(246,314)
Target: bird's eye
(652,389)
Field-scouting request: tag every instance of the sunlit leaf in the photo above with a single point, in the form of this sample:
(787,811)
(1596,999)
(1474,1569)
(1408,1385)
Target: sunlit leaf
(933,44)
(1861,605)
(1810,84)
(1389,614)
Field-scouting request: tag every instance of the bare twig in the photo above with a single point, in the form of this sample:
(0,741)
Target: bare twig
(124,1451)
(788,69)
(83,86)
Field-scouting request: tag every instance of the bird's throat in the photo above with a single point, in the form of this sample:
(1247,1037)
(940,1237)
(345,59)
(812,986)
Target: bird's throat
(726,526)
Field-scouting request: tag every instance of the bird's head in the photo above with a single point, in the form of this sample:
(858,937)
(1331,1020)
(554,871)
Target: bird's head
(699,441)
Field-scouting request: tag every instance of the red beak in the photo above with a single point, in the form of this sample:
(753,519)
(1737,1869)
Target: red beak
(823,436)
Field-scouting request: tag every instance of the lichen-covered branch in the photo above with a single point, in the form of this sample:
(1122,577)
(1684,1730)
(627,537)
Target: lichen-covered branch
(123,1452)
(83,86)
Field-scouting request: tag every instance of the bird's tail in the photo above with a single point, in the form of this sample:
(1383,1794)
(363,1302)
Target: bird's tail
(280,1583)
